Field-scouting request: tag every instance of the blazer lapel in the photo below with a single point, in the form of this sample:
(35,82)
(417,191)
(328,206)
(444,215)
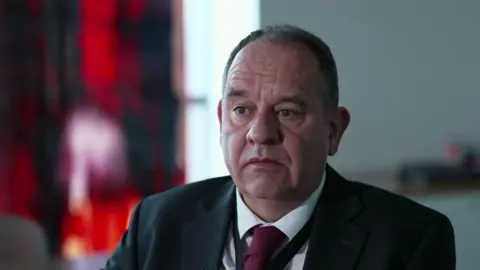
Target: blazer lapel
(204,238)
(336,243)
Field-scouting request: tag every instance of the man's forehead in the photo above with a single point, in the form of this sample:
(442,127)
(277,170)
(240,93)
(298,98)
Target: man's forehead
(268,58)
(275,69)
(267,50)
(246,67)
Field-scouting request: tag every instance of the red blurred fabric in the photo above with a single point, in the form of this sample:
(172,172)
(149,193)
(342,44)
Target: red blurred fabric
(107,66)
(109,76)
(22,182)
(98,50)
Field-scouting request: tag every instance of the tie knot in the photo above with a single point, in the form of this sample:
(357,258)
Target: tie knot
(266,240)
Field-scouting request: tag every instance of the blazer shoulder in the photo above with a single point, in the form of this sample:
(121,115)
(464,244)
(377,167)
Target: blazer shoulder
(389,203)
(409,231)
(179,198)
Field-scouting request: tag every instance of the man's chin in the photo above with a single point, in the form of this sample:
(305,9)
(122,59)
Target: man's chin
(264,189)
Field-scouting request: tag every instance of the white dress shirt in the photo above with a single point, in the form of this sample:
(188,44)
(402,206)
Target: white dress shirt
(290,225)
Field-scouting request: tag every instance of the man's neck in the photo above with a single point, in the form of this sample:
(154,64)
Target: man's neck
(270,210)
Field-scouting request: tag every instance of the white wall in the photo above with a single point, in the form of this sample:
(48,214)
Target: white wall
(408,72)
(212,29)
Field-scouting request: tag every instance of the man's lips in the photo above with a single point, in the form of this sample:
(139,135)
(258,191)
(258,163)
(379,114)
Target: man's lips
(263,161)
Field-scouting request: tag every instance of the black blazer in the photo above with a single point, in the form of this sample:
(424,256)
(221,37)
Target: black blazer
(356,226)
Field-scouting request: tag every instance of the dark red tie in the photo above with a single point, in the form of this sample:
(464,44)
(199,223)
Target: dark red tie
(266,240)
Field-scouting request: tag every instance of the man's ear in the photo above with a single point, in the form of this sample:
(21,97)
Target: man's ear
(219,113)
(339,121)
(219,116)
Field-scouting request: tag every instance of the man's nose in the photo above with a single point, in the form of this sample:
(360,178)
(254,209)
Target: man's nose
(264,129)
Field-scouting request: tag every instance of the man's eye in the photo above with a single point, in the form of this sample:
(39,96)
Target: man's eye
(287,113)
(240,110)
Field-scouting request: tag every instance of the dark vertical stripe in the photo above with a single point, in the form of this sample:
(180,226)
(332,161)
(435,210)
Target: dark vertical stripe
(157,87)
(23,77)
(49,201)
(129,73)
(5,112)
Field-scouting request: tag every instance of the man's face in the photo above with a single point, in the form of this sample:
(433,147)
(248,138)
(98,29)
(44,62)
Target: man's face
(275,134)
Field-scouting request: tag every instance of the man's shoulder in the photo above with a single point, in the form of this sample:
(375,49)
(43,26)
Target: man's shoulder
(182,197)
(395,207)
(401,227)
(377,201)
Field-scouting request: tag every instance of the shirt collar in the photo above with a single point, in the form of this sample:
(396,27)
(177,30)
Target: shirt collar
(290,224)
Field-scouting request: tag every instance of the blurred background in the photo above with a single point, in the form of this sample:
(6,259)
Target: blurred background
(105,102)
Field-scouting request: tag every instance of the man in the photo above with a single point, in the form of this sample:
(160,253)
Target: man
(283,207)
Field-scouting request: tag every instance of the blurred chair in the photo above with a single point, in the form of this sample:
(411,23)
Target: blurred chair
(92,262)
(23,244)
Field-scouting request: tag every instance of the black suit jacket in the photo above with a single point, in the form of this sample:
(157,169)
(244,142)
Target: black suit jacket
(356,226)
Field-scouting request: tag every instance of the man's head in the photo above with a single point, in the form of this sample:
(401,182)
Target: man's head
(279,113)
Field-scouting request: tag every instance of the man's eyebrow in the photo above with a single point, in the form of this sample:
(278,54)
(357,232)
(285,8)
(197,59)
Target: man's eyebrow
(296,99)
(232,92)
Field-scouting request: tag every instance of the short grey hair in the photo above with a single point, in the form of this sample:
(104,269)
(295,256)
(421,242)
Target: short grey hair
(321,51)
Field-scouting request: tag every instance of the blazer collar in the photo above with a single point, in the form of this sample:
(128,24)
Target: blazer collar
(204,238)
(335,243)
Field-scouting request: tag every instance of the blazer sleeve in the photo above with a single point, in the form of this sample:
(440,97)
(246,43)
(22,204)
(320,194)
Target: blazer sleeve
(124,256)
(437,248)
